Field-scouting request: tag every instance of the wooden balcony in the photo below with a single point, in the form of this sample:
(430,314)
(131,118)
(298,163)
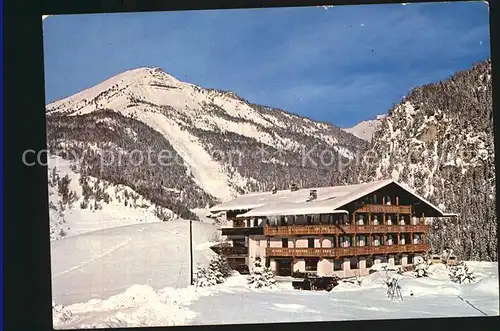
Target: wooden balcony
(350,251)
(295,230)
(385,209)
(240,231)
(230,250)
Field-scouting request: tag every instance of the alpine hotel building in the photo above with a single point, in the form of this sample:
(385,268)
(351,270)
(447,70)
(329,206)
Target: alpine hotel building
(341,230)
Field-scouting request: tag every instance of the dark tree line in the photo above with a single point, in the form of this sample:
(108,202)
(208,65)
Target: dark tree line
(105,142)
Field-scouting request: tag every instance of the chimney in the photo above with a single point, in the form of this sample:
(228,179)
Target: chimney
(294,187)
(313,195)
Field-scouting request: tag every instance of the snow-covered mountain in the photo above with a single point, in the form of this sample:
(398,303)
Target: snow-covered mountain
(439,141)
(203,145)
(366,129)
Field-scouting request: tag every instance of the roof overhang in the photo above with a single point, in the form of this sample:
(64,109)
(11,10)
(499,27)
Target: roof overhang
(290,213)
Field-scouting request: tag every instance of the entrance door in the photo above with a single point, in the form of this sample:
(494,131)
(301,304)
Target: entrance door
(284,267)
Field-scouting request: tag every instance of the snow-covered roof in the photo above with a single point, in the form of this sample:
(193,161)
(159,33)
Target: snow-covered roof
(260,199)
(329,199)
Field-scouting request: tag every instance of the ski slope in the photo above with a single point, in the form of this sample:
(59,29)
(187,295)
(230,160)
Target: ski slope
(234,303)
(99,264)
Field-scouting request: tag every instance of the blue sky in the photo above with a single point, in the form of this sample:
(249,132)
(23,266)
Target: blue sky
(340,65)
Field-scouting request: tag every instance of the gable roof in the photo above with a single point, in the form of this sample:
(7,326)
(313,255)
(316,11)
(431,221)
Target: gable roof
(260,199)
(328,200)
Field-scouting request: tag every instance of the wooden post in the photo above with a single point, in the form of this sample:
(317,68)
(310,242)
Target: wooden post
(399,239)
(383,200)
(370,218)
(337,241)
(353,218)
(191,249)
(397,201)
(321,241)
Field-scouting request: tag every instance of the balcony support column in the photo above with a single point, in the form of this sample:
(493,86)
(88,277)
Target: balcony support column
(337,241)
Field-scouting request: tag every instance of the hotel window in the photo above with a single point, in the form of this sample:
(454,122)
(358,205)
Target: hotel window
(337,265)
(309,220)
(284,242)
(310,243)
(283,221)
(397,259)
(311,264)
(354,264)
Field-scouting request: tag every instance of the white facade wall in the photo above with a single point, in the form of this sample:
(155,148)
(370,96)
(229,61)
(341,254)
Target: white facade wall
(391,261)
(325,267)
(328,242)
(301,242)
(404,260)
(273,266)
(299,265)
(276,242)
(256,248)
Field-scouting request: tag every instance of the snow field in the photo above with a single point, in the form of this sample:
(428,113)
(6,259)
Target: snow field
(234,302)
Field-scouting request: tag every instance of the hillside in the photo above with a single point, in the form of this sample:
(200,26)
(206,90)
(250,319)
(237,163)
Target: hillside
(79,203)
(183,147)
(439,140)
(366,129)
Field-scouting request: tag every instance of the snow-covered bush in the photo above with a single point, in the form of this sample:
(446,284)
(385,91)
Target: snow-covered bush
(421,268)
(261,276)
(461,274)
(60,314)
(216,272)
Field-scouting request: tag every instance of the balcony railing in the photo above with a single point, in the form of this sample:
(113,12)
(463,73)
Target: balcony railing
(238,231)
(293,230)
(384,209)
(350,251)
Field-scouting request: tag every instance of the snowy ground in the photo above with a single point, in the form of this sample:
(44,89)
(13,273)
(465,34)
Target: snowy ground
(106,262)
(234,303)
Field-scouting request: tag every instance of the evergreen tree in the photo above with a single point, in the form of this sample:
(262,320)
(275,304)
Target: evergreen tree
(261,276)
(421,267)
(461,274)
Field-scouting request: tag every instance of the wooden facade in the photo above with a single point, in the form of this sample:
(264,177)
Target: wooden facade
(345,252)
(387,222)
(296,230)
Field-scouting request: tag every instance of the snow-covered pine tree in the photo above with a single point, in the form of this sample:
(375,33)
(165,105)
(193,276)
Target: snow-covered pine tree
(202,279)
(421,267)
(461,274)
(225,269)
(261,276)
(214,271)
